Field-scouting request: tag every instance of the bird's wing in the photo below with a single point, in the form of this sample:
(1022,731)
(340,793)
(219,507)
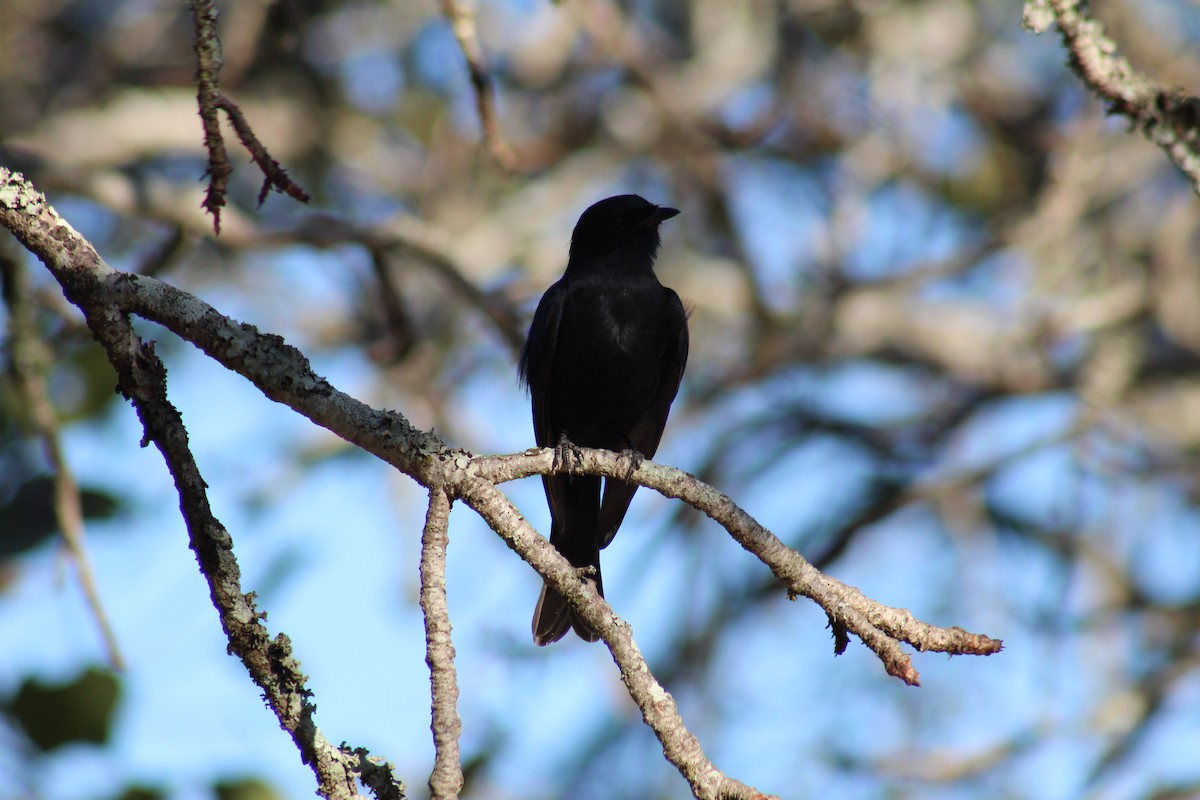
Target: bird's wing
(536,369)
(648,430)
(536,366)
(572,501)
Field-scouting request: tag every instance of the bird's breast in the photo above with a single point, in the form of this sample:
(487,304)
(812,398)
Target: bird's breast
(610,355)
(618,320)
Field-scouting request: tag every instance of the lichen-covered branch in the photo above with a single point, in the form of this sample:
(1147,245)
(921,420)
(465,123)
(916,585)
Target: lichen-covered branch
(658,708)
(88,283)
(446,780)
(282,373)
(1169,118)
(880,627)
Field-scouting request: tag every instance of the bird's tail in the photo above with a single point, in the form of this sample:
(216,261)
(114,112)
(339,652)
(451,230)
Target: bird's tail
(576,500)
(554,615)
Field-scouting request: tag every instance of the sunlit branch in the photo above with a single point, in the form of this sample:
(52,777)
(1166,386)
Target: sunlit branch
(88,282)
(1169,118)
(880,627)
(284,374)
(659,711)
(446,780)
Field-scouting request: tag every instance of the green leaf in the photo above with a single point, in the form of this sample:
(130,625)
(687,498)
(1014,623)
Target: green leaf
(245,789)
(53,715)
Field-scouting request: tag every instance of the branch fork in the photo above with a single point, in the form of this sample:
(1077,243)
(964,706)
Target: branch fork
(107,297)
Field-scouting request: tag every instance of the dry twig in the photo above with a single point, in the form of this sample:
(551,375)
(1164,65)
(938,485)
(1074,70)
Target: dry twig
(210,99)
(462,23)
(284,374)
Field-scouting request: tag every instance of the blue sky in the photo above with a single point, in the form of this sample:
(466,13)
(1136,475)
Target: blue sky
(332,550)
(329,537)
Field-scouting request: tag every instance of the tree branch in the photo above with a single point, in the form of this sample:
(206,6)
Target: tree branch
(210,99)
(28,365)
(283,373)
(462,23)
(446,780)
(87,281)
(880,627)
(658,708)
(1169,118)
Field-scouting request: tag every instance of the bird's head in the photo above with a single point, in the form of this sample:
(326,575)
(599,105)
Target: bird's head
(619,229)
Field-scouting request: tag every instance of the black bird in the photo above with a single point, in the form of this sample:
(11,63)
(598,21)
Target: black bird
(603,362)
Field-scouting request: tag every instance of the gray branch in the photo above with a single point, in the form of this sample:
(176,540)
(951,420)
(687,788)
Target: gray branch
(284,374)
(446,780)
(1167,117)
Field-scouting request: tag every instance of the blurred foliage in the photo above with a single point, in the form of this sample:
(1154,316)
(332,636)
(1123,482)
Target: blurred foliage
(53,715)
(244,789)
(944,320)
(27,515)
(81,711)
(141,793)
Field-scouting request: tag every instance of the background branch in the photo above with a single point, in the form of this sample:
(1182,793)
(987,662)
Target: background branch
(29,361)
(283,374)
(208,95)
(462,22)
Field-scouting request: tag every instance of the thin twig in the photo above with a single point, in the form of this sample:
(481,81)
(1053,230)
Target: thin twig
(208,93)
(28,365)
(275,176)
(462,23)
(211,99)
(446,780)
(284,374)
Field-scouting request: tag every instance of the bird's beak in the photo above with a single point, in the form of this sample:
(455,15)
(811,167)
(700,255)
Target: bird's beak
(661,213)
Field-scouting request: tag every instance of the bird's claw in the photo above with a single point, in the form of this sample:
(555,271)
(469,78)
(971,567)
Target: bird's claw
(567,455)
(633,463)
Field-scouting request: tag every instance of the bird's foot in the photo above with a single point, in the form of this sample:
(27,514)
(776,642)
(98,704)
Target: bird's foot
(633,462)
(567,455)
